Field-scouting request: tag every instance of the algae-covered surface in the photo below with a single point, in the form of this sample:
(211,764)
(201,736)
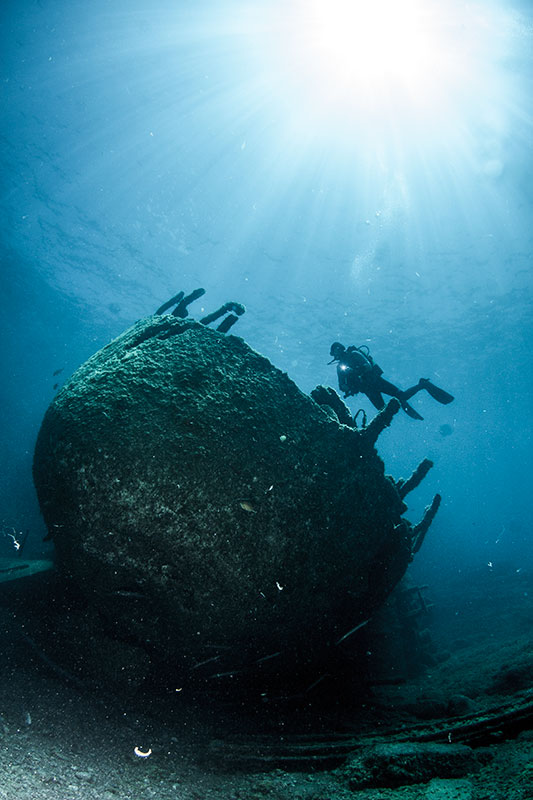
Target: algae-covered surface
(209,513)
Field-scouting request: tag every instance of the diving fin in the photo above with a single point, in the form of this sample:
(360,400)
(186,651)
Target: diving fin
(437,394)
(411,411)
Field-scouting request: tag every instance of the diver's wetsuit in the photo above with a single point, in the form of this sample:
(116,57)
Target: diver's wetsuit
(357,372)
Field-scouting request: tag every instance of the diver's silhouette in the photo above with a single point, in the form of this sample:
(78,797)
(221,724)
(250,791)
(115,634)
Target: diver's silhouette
(357,372)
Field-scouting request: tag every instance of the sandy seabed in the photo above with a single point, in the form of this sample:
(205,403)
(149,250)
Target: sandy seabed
(61,742)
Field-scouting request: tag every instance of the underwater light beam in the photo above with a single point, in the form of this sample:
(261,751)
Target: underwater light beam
(407,64)
(368,53)
(371,46)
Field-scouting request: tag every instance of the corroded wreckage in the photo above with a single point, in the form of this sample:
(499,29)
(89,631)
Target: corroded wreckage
(212,517)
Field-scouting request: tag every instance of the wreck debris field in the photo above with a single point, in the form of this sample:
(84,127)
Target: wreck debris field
(266,429)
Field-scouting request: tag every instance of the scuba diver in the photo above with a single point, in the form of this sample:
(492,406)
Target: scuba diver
(358,372)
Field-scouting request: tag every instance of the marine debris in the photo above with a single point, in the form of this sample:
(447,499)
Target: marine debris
(327,751)
(180,462)
(181,310)
(381,421)
(327,397)
(420,530)
(406,486)
(14,569)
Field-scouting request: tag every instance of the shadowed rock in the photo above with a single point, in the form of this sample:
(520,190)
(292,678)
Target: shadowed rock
(401,764)
(209,511)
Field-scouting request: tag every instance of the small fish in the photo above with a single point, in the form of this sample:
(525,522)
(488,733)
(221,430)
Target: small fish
(55,386)
(225,674)
(246,506)
(128,594)
(267,658)
(207,661)
(58,371)
(315,683)
(353,630)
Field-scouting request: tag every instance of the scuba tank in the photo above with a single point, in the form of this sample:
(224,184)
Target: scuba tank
(353,367)
(360,360)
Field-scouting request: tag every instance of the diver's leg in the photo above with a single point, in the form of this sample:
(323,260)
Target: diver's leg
(438,394)
(389,388)
(375,398)
(413,390)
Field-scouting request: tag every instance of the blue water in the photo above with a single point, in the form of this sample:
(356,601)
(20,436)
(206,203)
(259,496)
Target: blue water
(152,147)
